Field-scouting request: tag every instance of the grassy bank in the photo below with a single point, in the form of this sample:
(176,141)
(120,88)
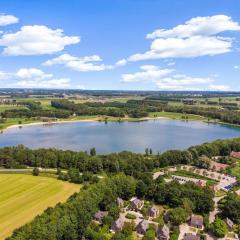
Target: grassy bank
(178,116)
(154,115)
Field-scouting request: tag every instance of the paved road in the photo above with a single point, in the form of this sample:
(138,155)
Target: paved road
(212,215)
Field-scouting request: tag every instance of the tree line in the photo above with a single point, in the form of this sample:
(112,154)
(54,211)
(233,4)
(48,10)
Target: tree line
(132,108)
(128,162)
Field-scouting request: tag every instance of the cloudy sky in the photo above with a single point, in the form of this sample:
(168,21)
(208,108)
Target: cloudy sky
(120,44)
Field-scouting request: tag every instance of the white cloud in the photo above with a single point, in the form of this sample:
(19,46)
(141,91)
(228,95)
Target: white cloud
(197,37)
(198,26)
(36,40)
(4,75)
(149,73)
(52,83)
(32,73)
(81,64)
(218,87)
(184,48)
(121,62)
(7,19)
(36,78)
(165,79)
(236,67)
(181,82)
(171,64)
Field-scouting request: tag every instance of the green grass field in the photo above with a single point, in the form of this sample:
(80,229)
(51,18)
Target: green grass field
(10,107)
(177,116)
(235,171)
(22,197)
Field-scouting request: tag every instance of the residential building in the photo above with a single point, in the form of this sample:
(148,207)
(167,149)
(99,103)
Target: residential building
(216,166)
(117,225)
(229,222)
(120,202)
(190,236)
(235,154)
(163,233)
(153,212)
(100,215)
(136,204)
(142,227)
(196,221)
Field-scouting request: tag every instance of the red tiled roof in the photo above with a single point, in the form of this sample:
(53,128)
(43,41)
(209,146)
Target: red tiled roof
(218,166)
(235,154)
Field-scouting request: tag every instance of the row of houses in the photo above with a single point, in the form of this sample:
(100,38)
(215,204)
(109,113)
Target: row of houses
(162,232)
(181,179)
(142,225)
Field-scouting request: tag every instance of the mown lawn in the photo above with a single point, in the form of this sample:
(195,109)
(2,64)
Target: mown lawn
(235,171)
(22,197)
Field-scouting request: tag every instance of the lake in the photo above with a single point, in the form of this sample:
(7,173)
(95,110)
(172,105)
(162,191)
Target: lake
(160,135)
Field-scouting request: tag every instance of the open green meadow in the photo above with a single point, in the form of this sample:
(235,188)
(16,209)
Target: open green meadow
(177,116)
(22,197)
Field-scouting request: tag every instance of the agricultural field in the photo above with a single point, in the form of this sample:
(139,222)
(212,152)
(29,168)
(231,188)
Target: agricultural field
(22,197)
(4,107)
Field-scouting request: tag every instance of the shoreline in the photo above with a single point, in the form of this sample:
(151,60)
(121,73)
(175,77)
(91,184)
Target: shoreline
(97,119)
(83,120)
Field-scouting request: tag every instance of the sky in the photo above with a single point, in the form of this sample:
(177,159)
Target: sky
(120,44)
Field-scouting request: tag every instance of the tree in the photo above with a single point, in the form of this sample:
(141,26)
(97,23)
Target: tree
(146,152)
(150,235)
(35,172)
(219,228)
(177,216)
(187,205)
(93,152)
(231,207)
(150,151)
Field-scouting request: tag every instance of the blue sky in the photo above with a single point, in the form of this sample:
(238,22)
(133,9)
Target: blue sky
(120,44)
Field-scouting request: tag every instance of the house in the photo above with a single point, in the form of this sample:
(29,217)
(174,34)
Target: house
(229,222)
(163,233)
(190,236)
(142,227)
(214,188)
(120,202)
(136,204)
(235,154)
(117,225)
(153,212)
(196,221)
(182,180)
(216,166)
(100,215)
(201,183)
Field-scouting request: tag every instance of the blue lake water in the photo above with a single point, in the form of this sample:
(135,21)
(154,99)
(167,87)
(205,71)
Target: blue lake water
(160,135)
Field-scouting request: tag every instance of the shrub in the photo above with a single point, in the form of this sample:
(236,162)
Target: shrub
(130,216)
